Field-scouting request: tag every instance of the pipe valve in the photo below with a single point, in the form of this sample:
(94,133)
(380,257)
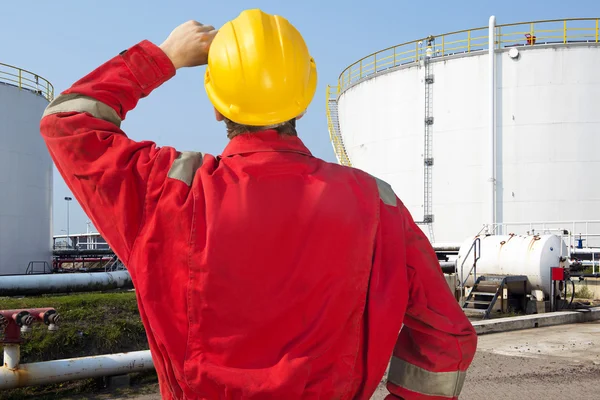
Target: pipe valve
(14,323)
(24,321)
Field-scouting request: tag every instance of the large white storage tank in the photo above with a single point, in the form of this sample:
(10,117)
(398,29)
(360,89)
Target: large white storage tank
(422,116)
(25,173)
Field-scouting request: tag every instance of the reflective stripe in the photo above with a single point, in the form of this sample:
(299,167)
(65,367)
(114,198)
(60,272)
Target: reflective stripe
(83,104)
(419,380)
(386,193)
(184,167)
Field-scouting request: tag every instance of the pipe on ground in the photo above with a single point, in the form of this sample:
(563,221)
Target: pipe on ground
(19,285)
(58,371)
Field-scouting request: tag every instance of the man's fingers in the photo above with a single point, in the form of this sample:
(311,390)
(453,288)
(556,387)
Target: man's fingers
(208,36)
(206,28)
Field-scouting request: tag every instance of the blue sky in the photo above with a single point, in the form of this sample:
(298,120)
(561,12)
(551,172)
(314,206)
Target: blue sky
(64,40)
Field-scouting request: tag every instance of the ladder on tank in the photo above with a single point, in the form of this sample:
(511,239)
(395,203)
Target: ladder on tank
(486,292)
(333,125)
(428,140)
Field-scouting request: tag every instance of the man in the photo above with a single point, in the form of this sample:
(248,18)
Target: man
(263,273)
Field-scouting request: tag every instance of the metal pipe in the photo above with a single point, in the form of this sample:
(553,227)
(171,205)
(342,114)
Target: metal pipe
(589,250)
(17,285)
(12,355)
(81,252)
(58,371)
(577,275)
(448,264)
(492,120)
(446,247)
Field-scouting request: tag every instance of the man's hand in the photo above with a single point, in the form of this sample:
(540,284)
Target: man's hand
(188,44)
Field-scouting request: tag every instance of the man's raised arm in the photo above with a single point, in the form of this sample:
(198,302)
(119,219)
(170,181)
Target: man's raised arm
(107,172)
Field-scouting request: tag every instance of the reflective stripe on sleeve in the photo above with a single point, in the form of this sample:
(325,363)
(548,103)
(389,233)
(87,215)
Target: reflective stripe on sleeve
(184,167)
(83,104)
(419,380)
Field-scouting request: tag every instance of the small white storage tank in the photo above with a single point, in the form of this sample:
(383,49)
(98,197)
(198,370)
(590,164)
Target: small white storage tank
(506,255)
(419,116)
(25,173)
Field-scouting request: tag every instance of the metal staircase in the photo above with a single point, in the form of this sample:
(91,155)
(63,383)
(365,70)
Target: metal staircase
(333,125)
(114,264)
(486,292)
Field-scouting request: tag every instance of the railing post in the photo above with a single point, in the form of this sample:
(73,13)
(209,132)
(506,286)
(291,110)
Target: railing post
(360,75)
(469,42)
(20,77)
(417,51)
(394,56)
(596,31)
(375,63)
(443,45)
(499,37)
(565,31)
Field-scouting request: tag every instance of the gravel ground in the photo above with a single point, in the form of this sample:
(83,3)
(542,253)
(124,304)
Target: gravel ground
(498,377)
(559,362)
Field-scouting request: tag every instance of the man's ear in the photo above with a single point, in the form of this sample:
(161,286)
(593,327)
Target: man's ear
(218,116)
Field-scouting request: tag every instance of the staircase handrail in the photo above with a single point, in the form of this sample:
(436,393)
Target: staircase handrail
(476,247)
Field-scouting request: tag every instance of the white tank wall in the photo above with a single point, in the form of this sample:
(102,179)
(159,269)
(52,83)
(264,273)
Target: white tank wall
(548,158)
(25,182)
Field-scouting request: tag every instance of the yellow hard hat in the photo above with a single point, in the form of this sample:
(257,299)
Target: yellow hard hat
(259,70)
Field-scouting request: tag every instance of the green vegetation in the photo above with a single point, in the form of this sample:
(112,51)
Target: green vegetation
(91,324)
(584,293)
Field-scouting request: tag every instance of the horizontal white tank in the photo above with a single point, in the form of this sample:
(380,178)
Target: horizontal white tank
(547,124)
(509,255)
(25,173)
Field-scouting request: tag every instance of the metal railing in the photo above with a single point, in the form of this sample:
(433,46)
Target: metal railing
(476,249)
(26,80)
(471,40)
(584,234)
(31,270)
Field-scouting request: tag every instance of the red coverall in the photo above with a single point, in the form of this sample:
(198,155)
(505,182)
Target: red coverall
(263,273)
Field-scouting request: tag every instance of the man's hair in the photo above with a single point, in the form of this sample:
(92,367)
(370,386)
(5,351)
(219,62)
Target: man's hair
(234,129)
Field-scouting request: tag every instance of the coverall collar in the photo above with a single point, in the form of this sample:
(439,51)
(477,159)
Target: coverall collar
(265,141)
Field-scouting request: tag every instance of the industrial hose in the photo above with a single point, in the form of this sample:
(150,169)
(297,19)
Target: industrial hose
(572,292)
(572,295)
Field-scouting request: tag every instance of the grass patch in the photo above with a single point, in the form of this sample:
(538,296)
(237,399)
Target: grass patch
(584,293)
(91,324)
